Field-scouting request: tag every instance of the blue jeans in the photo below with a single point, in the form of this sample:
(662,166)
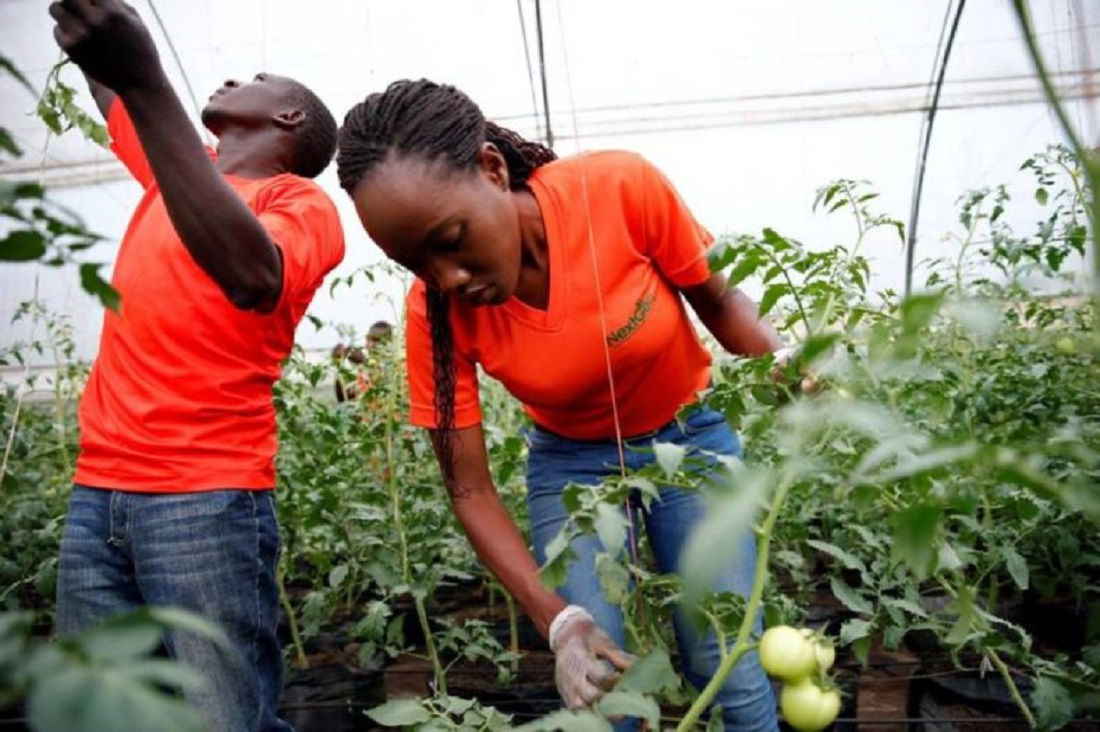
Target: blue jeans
(747,700)
(213,553)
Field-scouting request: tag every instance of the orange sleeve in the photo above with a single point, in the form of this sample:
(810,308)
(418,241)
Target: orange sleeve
(418,366)
(125,144)
(674,240)
(303,223)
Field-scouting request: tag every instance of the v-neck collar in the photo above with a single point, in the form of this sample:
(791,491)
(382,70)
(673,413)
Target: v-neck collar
(553,316)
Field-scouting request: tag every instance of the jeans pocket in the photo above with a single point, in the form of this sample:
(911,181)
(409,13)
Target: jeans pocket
(701,420)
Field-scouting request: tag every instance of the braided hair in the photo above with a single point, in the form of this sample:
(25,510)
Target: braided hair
(437,123)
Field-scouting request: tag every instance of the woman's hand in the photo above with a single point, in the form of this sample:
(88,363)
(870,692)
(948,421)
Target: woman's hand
(787,357)
(587,663)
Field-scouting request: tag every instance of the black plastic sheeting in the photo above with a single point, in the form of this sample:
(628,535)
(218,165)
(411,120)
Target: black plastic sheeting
(331,698)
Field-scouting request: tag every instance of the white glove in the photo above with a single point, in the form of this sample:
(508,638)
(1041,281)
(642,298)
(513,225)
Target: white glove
(586,661)
(808,383)
(784,355)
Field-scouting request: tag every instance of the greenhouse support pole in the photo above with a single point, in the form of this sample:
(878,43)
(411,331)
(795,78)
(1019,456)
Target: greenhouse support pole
(922,155)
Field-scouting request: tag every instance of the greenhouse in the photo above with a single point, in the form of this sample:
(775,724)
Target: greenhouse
(546,365)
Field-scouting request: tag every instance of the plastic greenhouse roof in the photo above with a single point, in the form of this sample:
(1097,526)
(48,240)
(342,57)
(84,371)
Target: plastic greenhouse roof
(620,67)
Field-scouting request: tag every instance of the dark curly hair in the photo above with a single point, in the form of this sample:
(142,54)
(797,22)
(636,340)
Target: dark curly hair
(435,122)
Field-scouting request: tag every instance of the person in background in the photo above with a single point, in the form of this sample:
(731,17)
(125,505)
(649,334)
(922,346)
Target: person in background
(172,502)
(556,277)
(378,336)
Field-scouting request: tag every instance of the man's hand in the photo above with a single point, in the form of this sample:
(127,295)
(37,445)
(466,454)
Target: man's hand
(587,662)
(109,43)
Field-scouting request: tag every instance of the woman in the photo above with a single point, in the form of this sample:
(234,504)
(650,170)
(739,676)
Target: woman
(549,273)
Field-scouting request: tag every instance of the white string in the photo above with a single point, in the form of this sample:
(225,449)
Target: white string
(592,248)
(632,531)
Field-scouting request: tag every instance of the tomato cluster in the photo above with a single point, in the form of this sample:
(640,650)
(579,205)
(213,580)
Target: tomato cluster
(801,660)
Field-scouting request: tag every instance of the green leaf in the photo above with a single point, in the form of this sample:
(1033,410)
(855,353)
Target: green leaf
(566,720)
(628,704)
(180,619)
(98,287)
(1016,566)
(457,705)
(771,297)
(910,607)
(22,189)
(400,713)
(558,556)
(848,560)
(7,144)
(120,640)
(337,576)
(854,630)
(721,254)
(776,241)
(650,674)
(89,127)
(718,540)
(969,620)
(90,699)
(611,528)
(50,117)
(8,66)
(918,310)
(614,579)
(849,597)
(1052,703)
(744,269)
(23,245)
(669,456)
(815,346)
(914,543)
(1041,196)
(163,672)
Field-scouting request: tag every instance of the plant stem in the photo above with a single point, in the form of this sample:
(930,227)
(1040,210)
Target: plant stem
(390,479)
(742,644)
(790,283)
(1012,688)
(292,620)
(513,629)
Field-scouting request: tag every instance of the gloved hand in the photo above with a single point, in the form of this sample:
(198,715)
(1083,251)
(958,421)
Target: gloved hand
(587,662)
(808,382)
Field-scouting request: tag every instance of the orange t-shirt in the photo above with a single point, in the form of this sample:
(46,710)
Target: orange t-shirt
(647,245)
(180,396)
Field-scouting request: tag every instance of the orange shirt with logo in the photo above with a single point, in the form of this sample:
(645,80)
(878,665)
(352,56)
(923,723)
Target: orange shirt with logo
(180,396)
(646,246)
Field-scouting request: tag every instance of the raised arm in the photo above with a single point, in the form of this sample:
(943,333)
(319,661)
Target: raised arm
(104,97)
(108,41)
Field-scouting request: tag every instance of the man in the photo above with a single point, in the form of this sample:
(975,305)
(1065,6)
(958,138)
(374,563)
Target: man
(172,501)
(378,336)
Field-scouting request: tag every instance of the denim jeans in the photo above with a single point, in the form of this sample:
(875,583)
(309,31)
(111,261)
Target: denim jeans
(213,553)
(746,699)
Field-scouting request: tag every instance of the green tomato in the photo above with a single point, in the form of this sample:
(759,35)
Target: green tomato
(824,651)
(1066,346)
(807,707)
(786,654)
